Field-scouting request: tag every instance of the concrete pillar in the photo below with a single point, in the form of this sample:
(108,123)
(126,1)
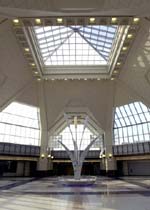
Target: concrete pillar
(20,168)
(42,165)
(108,164)
(125,168)
(27,168)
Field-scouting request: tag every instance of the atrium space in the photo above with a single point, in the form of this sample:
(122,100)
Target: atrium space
(74,104)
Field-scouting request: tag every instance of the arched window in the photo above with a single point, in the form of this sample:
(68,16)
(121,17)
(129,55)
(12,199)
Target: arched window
(132,123)
(19,124)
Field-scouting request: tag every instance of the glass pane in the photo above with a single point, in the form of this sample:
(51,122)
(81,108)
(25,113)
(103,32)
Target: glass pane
(134,119)
(17,122)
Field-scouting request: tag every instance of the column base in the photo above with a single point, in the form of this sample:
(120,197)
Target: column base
(109,173)
(44,173)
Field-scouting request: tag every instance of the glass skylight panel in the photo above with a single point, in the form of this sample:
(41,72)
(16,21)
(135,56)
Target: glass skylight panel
(75,45)
(134,119)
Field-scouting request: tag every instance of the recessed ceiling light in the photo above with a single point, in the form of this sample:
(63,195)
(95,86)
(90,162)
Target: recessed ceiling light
(136,20)
(38,21)
(52,79)
(85,78)
(118,63)
(36,72)
(32,64)
(42,155)
(115,72)
(113,19)
(38,79)
(110,155)
(124,48)
(59,20)
(112,78)
(65,79)
(92,19)
(98,79)
(26,49)
(129,36)
(15,21)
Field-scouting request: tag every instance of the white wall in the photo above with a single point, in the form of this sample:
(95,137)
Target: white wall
(133,83)
(15,75)
(95,95)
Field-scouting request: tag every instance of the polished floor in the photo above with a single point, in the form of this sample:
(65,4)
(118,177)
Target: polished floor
(128,193)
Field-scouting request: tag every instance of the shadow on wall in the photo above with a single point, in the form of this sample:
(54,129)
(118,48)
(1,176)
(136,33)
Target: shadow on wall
(141,64)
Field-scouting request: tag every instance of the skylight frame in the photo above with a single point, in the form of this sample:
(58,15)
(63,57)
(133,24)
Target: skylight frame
(80,70)
(106,72)
(82,33)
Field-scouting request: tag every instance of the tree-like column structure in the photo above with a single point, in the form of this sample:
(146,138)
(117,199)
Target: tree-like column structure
(77,156)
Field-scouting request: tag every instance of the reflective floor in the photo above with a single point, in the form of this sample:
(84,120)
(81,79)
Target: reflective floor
(128,193)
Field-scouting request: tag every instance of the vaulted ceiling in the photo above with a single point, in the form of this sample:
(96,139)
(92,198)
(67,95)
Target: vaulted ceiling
(16,77)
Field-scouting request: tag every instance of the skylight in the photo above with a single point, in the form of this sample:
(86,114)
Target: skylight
(75,45)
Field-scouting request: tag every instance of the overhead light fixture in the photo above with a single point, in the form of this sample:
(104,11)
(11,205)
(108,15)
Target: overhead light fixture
(115,72)
(124,48)
(85,79)
(100,156)
(49,155)
(65,79)
(52,79)
(42,155)
(36,72)
(38,79)
(16,21)
(129,36)
(98,79)
(33,64)
(110,155)
(118,63)
(112,78)
(38,21)
(136,20)
(113,19)
(92,20)
(26,49)
(59,20)
(52,157)
(103,155)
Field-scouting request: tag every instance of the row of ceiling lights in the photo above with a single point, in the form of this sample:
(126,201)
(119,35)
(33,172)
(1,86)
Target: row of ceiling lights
(91,20)
(115,72)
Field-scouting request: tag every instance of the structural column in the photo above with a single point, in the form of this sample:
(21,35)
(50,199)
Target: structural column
(20,168)
(108,162)
(42,166)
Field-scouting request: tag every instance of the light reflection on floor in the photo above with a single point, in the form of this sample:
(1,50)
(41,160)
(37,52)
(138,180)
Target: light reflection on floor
(46,194)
